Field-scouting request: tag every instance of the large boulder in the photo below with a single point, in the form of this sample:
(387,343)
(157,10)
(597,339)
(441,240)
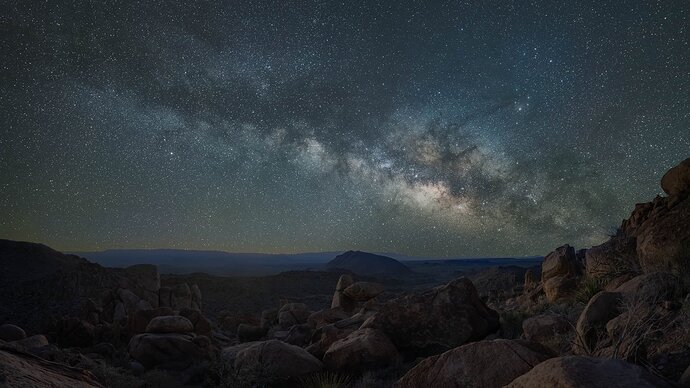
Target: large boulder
(586,372)
(196,297)
(9,332)
(591,324)
(560,273)
(171,350)
(676,181)
(436,320)
(363,291)
(327,316)
(483,364)
(276,361)
(170,324)
(361,350)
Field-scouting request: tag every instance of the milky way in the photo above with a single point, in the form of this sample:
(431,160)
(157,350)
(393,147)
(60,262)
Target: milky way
(432,128)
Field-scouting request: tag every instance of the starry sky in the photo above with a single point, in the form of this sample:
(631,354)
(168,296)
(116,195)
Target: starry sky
(438,128)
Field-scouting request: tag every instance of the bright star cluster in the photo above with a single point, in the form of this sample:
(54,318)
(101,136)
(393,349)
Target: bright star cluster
(445,128)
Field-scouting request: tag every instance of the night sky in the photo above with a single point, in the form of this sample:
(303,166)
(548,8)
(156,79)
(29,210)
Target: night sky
(449,128)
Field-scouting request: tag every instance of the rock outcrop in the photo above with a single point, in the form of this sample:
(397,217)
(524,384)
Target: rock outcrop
(560,273)
(581,372)
(19,369)
(436,320)
(483,364)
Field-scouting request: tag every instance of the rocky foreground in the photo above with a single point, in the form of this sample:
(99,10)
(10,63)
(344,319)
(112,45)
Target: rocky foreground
(614,315)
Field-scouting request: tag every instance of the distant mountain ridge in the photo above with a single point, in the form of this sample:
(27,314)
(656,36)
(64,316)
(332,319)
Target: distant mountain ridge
(368,264)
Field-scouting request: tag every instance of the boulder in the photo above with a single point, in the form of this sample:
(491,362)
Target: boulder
(590,326)
(173,350)
(584,372)
(363,291)
(363,349)
(229,354)
(181,296)
(293,314)
(435,320)
(9,332)
(676,181)
(547,330)
(19,369)
(339,298)
(560,273)
(276,360)
(169,324)
(483,364)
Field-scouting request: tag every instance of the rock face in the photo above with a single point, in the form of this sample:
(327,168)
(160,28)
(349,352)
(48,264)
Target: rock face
(276,360)
(9,332)
(583,372)
(368,264)
(560,273)
(169,324)
(467,365)
(361,350)
(18,369)
(436,320)
(168,350)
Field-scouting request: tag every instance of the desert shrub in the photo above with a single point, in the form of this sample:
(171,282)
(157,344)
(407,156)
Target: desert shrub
(511,323)
(587,289)
(372,380)
(115,377)
(326,380)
